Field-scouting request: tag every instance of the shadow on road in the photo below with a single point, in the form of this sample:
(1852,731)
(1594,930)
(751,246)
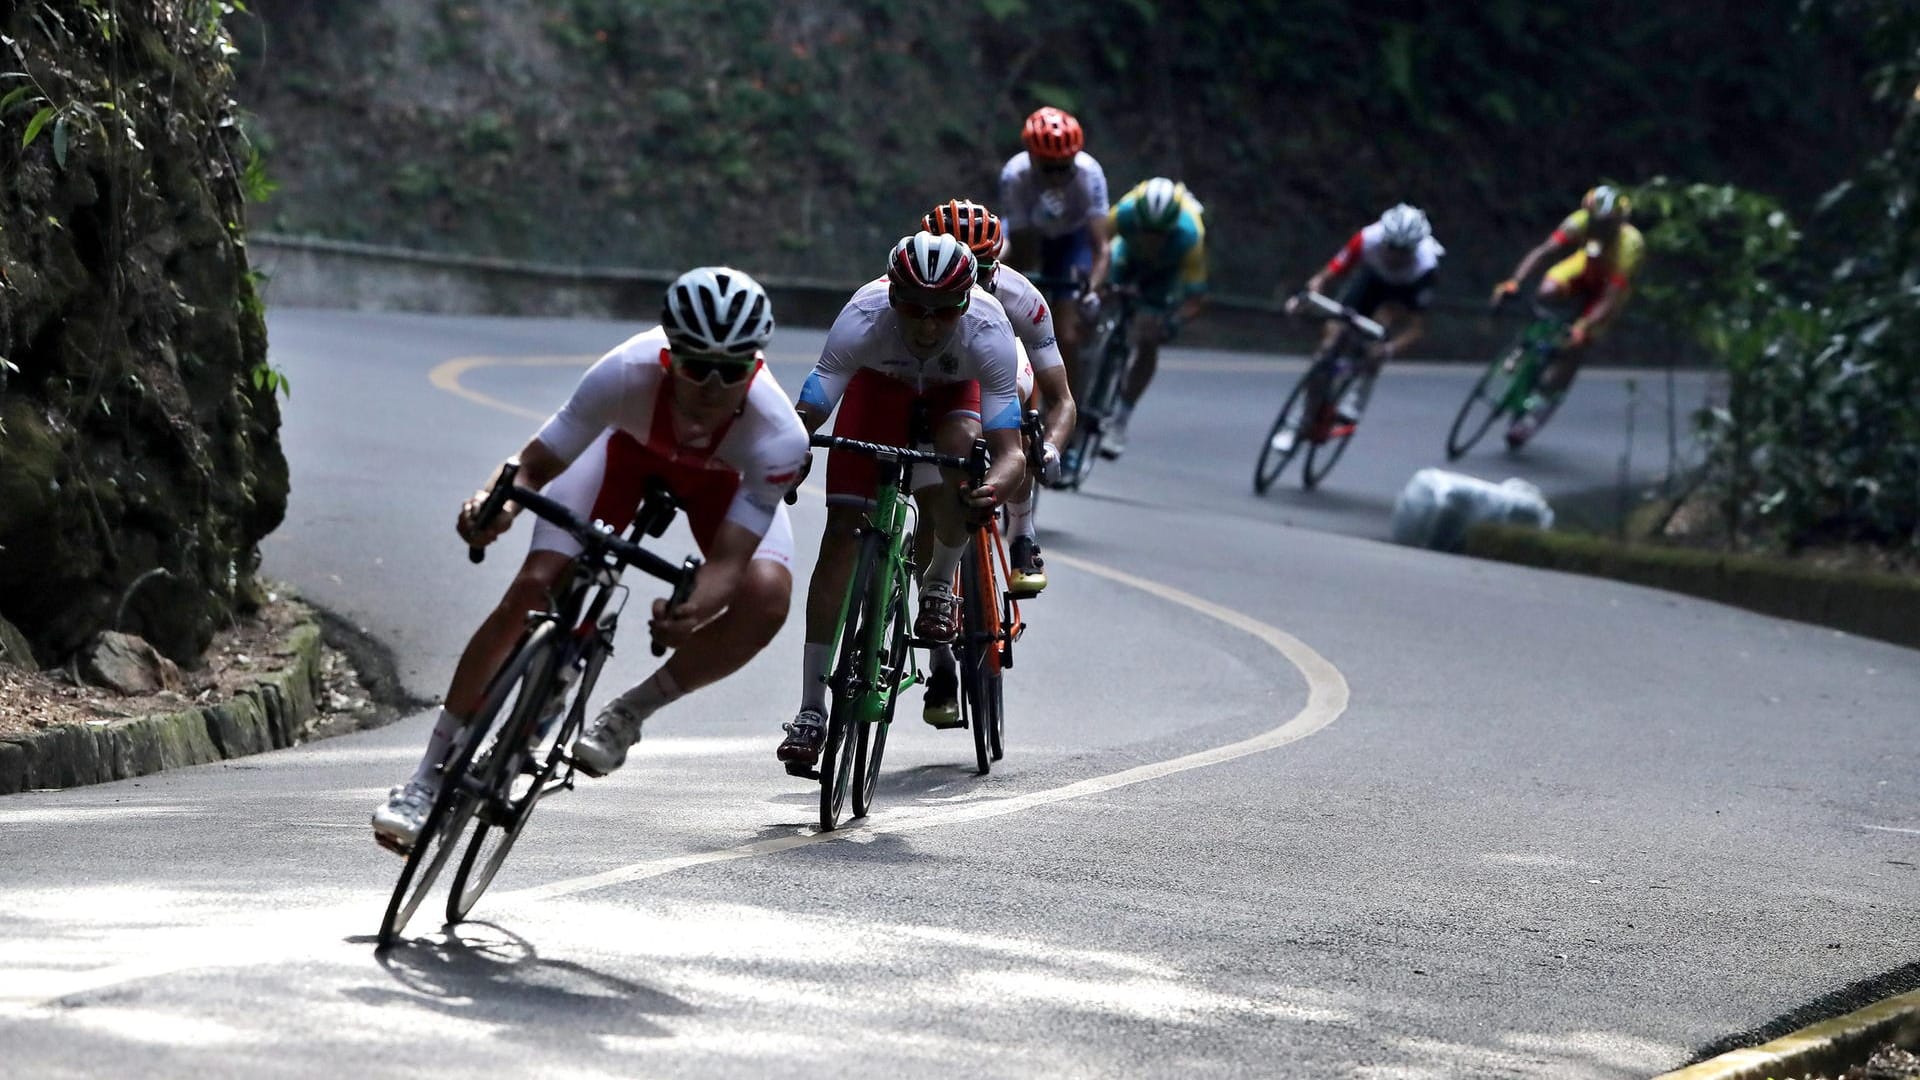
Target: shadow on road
(481,972)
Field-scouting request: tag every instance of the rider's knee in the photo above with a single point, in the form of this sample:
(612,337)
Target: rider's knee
(532,588)
(765,594)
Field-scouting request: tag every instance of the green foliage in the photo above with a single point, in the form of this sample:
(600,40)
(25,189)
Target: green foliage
(1819,437)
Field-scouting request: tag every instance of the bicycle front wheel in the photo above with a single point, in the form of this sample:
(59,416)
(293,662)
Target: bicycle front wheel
(849,690)
(519,780)
(979,651)
(871,739)
(1284,438)
(1485,404)
(1322,456)
(523,679)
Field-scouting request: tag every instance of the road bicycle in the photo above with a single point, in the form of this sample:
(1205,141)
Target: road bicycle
(1112,339)
(872,642)
(990,623)
(1510,381)
(532,708)
(1308,418)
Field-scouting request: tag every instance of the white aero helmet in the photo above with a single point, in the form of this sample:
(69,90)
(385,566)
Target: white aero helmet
(1160,203)
(717,309)
(1404,226)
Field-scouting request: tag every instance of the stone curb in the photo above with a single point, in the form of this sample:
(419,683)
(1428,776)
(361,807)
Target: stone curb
(268,715)
(1882,606)
(1827,1047)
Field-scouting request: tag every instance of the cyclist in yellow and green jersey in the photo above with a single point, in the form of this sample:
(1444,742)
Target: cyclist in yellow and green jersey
(1598,253)
(1159,251)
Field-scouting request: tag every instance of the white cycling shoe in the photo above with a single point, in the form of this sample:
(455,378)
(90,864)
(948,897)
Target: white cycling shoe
(398,821)
(602,748)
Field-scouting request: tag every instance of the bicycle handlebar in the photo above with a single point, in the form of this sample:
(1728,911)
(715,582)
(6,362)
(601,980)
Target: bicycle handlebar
(1334,309)
(592,537)
(975,466)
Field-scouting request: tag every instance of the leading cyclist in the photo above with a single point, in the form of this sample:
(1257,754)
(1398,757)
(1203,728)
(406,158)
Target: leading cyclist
(925,333)
(1053,201)
(1395,263)
(1599,252)
(685,404)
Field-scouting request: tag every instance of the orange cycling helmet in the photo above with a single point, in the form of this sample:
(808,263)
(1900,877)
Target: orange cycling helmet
(970,223)
(1052,134)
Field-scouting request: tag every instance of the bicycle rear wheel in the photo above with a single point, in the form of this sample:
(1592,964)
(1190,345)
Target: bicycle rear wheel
(872,736)
(1485,403)
(1104,392)
(1292,420)
(980,657)
(1322,456)
(523,678)
(838,753)
(501,821)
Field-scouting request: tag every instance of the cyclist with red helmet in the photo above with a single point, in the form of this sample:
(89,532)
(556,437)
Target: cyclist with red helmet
(923,333)
(1599,252)
(1053,201)
(1043,375)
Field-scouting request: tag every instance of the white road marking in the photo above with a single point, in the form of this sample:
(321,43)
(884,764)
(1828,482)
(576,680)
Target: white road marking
(1890,828)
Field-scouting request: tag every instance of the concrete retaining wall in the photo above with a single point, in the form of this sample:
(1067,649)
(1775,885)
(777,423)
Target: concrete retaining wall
(265,716)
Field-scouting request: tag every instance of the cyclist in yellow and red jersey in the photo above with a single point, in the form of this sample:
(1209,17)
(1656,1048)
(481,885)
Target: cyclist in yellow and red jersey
(1598,253)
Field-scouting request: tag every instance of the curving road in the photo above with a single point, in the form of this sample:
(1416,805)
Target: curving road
(1277,801)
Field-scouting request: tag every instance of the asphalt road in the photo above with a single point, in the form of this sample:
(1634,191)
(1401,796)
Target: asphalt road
(1279,800)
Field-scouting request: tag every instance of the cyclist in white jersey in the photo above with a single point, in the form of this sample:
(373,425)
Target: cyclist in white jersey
(685,404)
(1043,378)
(923,333)
(1395,266)
(1053,203)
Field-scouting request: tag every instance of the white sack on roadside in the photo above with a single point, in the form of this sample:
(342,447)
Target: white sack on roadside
(1436,508)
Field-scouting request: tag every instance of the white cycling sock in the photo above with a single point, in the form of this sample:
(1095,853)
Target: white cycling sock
(1124,411)
(445,727)
(647,698)
(813,684)
(941,565)
(1020,515)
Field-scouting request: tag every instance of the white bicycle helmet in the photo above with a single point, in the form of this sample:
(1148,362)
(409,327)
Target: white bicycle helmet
(1404,227)
(1160,203)
(717,309)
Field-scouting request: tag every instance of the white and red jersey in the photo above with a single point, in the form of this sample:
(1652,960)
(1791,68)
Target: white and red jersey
(1026,203)
(1031,318)
(867,335)
(1364,250)
(760,448)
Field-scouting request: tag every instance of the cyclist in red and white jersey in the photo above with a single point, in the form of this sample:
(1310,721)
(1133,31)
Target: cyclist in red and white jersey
(686,404)
(1394,265)
(1053,202)
(1043,375)
(924,333)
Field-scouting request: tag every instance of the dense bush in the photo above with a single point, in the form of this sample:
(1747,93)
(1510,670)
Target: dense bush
(1819,437)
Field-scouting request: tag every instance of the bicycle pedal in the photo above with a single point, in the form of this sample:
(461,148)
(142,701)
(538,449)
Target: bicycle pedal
(392,845)
(807,772)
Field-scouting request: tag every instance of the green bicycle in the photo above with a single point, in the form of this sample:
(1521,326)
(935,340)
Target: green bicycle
(1509,382)
(872,643)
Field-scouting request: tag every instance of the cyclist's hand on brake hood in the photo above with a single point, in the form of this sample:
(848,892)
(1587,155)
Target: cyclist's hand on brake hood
(470,510)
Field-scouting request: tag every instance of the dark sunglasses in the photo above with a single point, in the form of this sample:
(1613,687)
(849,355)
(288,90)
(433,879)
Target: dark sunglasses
(945,313)
(701,368)
(1056,168)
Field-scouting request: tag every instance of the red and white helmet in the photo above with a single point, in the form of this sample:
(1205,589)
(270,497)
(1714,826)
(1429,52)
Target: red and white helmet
(1052,134)
(933,271)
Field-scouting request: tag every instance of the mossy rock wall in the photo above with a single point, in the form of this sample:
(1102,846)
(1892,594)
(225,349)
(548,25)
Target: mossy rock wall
(135,446)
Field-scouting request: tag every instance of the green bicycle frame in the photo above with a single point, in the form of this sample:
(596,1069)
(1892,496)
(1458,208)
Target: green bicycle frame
(888,518)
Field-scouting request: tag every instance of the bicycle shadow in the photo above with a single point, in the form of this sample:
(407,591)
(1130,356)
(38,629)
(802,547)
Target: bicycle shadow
(480,971)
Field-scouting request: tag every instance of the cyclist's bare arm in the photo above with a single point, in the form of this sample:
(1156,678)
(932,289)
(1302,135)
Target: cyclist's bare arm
(1062,413)
(1099,230)
(1611,301)
(1192,306)
(1412,326)
(1008,472)
(713,588)
(1547,250)
(538,467)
